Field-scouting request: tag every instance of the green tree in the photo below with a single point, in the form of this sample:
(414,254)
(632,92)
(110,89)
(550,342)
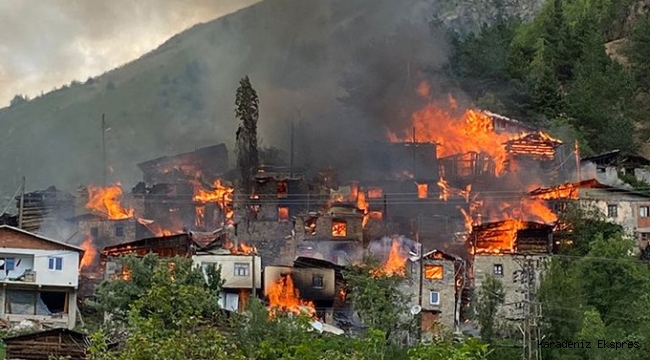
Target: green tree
(247,111)
(379,302)
(639,51)
(173,319)
(491,297)
(593,329)
(116,296)
(546,95)
(560,295)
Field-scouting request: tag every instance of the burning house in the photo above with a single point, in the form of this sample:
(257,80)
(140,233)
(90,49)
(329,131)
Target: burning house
(185,191)
(335,236)
(268,222)
(513,252)
(625,207)
(310,290)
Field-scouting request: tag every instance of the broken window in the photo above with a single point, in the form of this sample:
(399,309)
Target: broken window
(283,213)
(282,189)
(317,281)
(559,206)
(94,232)
(55,301)
(339,228)
(498,269)
(25,302)
(55,263)
(644,211)
(433,272)
(434,298)
(242,269)
(119,230)
(612,210)
(423,190)
(375,193)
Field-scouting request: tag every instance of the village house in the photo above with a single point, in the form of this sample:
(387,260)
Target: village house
(53,343)
(608,167)
(40,277)
(242,275)
(626,207)
(266,218)
(315,284)
(435,283)
(183,245)
(514,253)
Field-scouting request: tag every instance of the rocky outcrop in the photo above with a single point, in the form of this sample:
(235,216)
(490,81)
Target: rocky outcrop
(469,15)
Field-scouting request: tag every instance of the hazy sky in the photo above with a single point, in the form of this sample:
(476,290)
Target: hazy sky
(48,43)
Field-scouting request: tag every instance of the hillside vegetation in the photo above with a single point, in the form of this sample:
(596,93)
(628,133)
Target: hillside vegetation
(181,96)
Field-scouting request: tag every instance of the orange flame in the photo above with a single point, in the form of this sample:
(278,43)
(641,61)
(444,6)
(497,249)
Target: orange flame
(395,264)
(284,297)
(240,249)
(106,201)
(156,229)
(90,253)
(220,194)
(339,228)
(423,190)
(500,239)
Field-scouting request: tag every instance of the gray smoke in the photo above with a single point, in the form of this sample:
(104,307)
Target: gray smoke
(380,249)
(58,41)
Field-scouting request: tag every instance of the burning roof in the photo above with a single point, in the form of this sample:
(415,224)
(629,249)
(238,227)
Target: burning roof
(537,145)
(566,191)
(511,236)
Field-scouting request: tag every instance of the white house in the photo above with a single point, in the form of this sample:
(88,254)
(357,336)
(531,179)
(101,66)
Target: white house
(39,278)
(239,273)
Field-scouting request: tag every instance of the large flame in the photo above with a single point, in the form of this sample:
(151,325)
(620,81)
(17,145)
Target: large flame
(220,194)
(395,264)
(90,253)
(500,238)
(284,297)
(106,201)
(472,131)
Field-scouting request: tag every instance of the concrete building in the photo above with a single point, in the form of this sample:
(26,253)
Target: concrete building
(40,277)
(239,272)
(435,284)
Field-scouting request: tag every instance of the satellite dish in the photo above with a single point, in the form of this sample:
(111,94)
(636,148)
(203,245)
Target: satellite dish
(317,325)
(416,310)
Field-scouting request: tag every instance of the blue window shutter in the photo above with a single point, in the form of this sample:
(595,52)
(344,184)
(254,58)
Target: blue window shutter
(51,264)
(59,263)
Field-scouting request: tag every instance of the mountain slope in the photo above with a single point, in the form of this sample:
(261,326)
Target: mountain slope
(181,95)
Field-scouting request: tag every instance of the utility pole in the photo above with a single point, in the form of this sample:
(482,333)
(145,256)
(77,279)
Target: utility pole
(291,155)
(532,310)
(104,148)
(22,204)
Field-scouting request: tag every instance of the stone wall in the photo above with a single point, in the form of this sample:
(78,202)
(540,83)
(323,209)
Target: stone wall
(466,16)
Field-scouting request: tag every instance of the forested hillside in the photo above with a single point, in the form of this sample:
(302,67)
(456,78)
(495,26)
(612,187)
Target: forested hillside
(555,70)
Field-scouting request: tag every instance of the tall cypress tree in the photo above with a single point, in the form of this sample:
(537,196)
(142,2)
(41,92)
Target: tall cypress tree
(247,111)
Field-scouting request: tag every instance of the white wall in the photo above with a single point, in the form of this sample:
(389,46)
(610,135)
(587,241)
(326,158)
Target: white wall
(227,263)
(67,276)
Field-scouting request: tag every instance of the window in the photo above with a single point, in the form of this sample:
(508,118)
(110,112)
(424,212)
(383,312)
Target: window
(317,281)
(434,298)
(119,231)
(283,213)
(375,193)
(433,272)
(94,232)
(644,236)
(339,228)
(498,269)
(644,211)
(612,210)
(559,206)
(55,263)
(423,191)
(282,189)
(242,269)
